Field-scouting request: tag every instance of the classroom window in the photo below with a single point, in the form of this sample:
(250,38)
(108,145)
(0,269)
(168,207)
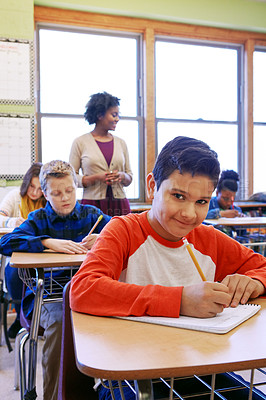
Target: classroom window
(73,64)
(197,87)
(259,117)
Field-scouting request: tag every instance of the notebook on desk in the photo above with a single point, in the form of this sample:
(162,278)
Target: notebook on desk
(221,323)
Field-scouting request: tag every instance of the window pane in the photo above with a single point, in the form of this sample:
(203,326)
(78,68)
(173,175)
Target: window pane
(259,88)
(129,131)
(62,131)
(217,136)
(196,82)
(259,184)
(80,64)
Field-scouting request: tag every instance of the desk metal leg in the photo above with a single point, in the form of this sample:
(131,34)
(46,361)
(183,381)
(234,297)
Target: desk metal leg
(30,392)
(144,390)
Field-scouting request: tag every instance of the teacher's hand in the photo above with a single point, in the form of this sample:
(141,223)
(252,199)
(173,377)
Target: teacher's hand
(88,180)
(113,177)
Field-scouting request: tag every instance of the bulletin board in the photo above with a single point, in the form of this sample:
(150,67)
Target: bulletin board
(17,145)
(16,72)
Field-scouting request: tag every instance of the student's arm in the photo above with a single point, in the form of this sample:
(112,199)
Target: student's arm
(9,210)
(96,289)
(26,238)
(241,269)
(64,246)
(213,214)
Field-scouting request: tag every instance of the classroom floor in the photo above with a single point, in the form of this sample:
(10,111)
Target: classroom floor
(7,362)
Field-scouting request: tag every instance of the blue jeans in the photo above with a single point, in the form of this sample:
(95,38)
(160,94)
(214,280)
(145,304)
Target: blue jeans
(105,394)
(14,285)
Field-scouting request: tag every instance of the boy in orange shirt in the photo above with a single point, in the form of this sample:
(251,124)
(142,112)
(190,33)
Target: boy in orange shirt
(142,263)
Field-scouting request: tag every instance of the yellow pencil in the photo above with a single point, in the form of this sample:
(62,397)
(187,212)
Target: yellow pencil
(96,223)
(192,255)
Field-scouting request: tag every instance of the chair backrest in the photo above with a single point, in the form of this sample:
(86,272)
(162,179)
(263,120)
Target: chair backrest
(25,321)
(72,383)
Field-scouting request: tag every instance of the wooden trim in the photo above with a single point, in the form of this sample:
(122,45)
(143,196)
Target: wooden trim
(120,23)
(248,115)
(149,107)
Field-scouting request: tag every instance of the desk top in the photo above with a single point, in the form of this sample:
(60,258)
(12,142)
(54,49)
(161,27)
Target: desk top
(3,231)
(244,221)
(119,349)
(47,259)
(250,204)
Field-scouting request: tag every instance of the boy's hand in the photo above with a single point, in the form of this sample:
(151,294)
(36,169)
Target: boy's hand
(242,288)
(204,300)
(229,213)
(64,246)
(89,240)
(19,221)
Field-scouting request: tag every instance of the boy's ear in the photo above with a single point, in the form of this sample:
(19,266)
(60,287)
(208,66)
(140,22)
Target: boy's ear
(151,186)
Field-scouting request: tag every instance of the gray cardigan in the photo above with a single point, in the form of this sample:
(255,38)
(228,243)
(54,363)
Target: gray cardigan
(86,155)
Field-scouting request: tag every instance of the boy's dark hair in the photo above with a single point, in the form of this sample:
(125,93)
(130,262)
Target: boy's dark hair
(228,181)
(187,155)
(97,106)
(33,171)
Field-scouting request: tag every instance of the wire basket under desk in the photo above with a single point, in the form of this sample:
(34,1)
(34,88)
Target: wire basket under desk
(226,386)
(54,280)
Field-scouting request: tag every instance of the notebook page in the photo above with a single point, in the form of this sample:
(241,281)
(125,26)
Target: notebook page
(221,323)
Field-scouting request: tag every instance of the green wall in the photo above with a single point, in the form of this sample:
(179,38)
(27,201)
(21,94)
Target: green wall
(16,19)
(233,14)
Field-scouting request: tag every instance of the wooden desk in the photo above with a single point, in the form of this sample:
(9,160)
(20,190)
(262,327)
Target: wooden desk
(47,259)
(41,262)
(139,207)
(247,222)
(247,206)
(3,231)
(117,349)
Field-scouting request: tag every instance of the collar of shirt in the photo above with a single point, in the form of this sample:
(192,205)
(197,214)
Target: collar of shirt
(53,216)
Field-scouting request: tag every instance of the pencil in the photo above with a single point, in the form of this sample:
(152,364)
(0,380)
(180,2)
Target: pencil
(96,223)
(192,255)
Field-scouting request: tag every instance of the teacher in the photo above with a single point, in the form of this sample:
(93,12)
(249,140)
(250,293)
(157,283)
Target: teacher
(103,158)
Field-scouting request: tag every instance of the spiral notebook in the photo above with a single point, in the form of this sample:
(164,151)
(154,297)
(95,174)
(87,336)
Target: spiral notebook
(221,323)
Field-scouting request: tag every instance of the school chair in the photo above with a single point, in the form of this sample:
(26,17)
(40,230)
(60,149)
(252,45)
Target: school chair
(20,343)
(72,383)
(5,301)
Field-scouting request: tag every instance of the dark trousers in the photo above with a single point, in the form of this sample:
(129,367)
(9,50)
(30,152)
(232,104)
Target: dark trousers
(14,285)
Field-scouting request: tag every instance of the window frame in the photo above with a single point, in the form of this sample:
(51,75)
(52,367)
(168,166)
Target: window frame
(259,48)
(149,29)
(240,82)
(139,90)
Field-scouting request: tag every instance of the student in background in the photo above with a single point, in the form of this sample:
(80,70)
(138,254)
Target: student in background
(14,209)
(19,202)
(63,226)
(141,259)
(222,205)
(103,158)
